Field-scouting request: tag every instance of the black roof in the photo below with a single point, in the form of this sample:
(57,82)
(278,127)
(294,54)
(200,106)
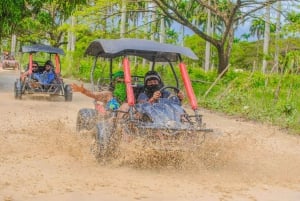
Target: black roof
(42,48)
(150,50)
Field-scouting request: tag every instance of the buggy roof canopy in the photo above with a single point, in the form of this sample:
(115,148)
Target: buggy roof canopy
(42,48)
(150,50)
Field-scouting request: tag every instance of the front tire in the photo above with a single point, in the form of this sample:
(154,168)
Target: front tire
(107,140)
(86,119)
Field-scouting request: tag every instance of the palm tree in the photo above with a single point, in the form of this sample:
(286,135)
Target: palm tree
(266,38)
(245,36)
(257,28)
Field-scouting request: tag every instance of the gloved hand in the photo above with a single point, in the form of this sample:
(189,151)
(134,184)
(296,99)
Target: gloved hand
(113,104)
(180,95)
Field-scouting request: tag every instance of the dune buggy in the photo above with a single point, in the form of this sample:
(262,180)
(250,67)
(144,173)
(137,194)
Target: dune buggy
(161,124)
(26,85)
(9,62)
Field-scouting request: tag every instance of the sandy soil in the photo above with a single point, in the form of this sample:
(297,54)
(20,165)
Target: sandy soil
(43,158)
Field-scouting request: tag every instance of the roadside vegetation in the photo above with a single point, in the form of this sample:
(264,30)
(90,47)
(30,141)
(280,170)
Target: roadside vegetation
(266,98)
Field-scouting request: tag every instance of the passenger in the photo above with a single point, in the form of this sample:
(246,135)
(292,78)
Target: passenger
(48,76)
(113,100)
(152,93)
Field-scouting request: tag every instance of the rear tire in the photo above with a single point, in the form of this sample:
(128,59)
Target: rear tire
(86,119)
(68,93)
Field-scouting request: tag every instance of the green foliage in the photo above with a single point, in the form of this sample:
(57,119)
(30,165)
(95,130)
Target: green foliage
(11,13)
(249,55)
(197,44)
(269,98)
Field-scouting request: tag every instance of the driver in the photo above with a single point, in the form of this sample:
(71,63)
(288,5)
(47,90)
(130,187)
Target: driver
(35,71)
(152,93)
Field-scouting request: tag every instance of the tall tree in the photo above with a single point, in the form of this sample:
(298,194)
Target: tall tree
(266,38)
(229,12)
(207,45)
(123,19)
(277,36)
(71,34)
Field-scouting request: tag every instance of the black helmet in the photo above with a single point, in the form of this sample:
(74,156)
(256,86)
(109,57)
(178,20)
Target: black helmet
(151,75)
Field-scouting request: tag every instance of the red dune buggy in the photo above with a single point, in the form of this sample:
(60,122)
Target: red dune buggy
(29,84)
(163,125)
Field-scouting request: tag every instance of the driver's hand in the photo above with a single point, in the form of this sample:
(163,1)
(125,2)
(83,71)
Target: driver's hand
(77,88)
(180,95)
(156,95)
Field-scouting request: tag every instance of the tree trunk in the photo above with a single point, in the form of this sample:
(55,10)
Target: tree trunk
(182,35)
(207,44)
(13,44)
(266,39)
(162,35)
(146,18)
(153,27)
(223,59)
(277,36)
(71,36)
(123,19)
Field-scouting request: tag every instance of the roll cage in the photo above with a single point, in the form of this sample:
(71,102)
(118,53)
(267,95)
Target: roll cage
(43,48)
(149,50)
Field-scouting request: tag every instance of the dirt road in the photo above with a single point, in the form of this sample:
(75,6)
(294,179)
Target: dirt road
(43,158)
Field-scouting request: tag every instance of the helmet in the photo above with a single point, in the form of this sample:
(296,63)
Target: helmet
(118,74)
(152,75)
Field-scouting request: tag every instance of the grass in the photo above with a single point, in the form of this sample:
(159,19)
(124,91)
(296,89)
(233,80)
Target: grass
(267,98)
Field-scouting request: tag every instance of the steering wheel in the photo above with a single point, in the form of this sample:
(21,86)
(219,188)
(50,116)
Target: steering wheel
(175,89)
(173,93)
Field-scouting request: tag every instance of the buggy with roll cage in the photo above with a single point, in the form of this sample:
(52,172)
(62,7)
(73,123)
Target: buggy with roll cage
(161,124)
(9,62)
(27,85)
